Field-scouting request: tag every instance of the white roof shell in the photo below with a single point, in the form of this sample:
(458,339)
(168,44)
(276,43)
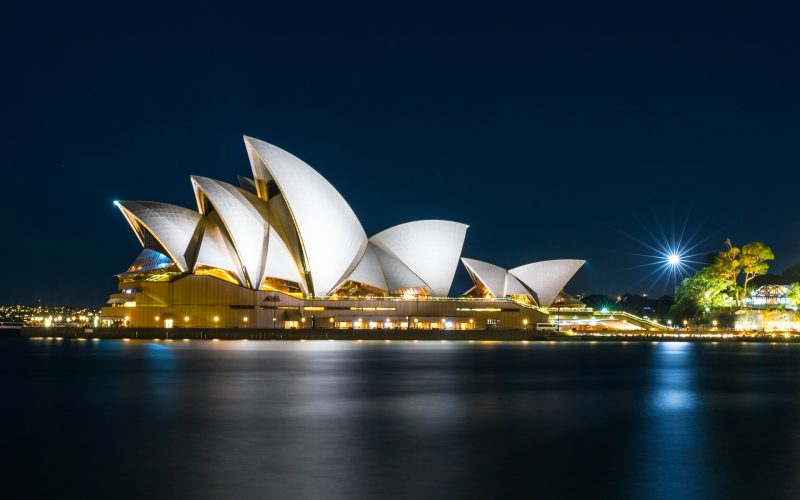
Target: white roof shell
(540,280)
(298,228)
(280,263)
(492,277)
(331,237)
(216,249)
(172,226)
(369,271)
(244,217)
(514,287)
(429,248)
(398,275)
(547,277)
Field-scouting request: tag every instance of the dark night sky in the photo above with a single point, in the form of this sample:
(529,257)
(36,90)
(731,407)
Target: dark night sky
(553,130)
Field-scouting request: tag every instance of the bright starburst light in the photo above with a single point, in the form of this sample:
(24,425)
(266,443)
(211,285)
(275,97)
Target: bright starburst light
(671,256)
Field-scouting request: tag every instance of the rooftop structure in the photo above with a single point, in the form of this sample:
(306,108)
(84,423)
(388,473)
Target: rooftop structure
(287,236)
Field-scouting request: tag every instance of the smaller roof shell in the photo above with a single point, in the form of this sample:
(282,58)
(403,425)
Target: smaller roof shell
(172,226)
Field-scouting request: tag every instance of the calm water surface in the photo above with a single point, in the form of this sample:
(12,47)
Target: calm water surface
(348,420)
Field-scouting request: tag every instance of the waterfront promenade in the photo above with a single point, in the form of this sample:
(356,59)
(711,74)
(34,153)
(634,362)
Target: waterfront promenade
(180,334)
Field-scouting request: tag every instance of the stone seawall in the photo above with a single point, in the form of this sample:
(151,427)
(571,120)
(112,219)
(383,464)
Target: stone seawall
(279,334)
(431,335)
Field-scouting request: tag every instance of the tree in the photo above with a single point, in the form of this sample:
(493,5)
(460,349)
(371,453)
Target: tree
(727,267)
(793,294)
(752,260)
(705,290)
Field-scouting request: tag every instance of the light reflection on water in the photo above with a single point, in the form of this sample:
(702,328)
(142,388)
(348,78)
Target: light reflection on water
(401,420)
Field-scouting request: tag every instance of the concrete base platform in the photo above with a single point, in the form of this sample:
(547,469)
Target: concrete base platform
(279,334)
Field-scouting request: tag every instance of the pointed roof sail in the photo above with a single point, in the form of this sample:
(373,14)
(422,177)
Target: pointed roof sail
(514,287)
(398,276)
(368,271)
(547,277)
(280,263)
(244,216)
(429,248)
(289,225)
(492,277)
(332,240)
(171,226)
(216,249)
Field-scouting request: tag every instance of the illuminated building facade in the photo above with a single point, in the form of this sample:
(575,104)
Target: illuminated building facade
(283,249)
(769,309)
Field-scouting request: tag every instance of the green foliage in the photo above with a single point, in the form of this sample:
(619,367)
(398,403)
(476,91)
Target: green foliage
(749,261)
(727,267)
(753,260)
(793,294)
(706,290)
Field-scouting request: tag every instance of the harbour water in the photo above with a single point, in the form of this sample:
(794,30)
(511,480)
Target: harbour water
(317,419)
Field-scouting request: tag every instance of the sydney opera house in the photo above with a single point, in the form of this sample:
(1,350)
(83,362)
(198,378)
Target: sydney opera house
(283,249)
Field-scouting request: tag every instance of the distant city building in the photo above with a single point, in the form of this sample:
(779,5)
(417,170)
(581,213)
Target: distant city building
(285,250)
(18,315)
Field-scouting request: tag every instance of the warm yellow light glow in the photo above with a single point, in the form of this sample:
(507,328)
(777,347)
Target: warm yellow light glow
(158,318)
(216,319)
(246,319)
(186,318)
(216,273)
